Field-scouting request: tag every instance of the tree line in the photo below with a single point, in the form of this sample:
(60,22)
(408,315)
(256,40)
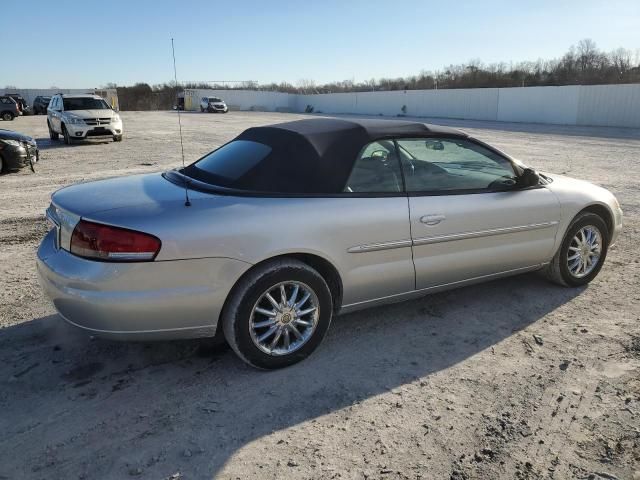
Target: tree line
(582,64)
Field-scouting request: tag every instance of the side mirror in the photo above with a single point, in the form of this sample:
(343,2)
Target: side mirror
(528,178)
(383,154)
(434,144)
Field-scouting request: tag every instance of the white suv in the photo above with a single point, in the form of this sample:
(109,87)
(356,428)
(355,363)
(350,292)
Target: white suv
(213,105)
(82,116)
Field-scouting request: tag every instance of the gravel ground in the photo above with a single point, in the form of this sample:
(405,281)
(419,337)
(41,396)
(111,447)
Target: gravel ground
(513,379)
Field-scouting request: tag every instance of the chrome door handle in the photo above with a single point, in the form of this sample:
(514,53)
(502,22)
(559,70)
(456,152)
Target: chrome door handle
(432,219)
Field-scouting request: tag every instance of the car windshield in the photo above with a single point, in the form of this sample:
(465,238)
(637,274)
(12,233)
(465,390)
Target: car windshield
(214,99)
(85,103)
(45,99)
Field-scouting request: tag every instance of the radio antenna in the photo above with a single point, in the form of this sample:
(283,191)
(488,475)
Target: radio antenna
(187,203)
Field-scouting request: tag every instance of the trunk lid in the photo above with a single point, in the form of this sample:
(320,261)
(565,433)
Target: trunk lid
(85,199)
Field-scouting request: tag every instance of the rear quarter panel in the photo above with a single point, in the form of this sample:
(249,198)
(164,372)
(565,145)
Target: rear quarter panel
(254,229)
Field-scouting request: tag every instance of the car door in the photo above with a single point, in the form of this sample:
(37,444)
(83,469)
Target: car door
(469,219)
(54,119)
(375,258)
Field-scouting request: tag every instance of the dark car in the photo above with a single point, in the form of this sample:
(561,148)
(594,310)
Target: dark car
(22,103)
(8,108)
(40,105)
(16,150)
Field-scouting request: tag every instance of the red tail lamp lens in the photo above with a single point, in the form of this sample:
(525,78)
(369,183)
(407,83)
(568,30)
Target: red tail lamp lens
(107,243)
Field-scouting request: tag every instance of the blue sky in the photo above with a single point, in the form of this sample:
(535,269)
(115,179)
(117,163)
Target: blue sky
(80,44)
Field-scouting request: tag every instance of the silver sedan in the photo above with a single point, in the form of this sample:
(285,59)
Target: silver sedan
(269,236)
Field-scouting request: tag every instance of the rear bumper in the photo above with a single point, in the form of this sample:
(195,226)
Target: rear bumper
(137,301)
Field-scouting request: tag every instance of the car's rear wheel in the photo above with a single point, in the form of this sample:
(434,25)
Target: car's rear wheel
(67,138)
(277,314)
(582,253)
(52,135)
(7,116)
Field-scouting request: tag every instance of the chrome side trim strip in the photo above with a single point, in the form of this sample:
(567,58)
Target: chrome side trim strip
(482,233)
(398,297)
(374,247)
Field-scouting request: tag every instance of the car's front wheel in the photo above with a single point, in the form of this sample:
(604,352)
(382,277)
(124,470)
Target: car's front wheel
(67,138)
(277,314)
(7,116)
(52,135)
(582,253)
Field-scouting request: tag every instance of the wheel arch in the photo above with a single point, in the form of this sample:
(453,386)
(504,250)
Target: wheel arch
(603,212)
(324,267)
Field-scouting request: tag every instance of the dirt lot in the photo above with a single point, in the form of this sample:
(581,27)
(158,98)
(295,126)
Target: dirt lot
(511,379)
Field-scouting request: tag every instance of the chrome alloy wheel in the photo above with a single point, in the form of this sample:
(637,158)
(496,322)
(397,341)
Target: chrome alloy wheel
(584,251)
(280,327)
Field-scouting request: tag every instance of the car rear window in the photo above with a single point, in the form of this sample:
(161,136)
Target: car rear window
(231,161)
(277,160)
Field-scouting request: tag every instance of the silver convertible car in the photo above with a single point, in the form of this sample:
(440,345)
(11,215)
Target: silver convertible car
(269,236)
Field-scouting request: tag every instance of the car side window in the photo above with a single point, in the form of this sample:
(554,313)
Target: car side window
(453,164)
(376,170)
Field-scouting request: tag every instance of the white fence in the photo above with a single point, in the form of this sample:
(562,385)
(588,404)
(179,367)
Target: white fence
(597,105)
(243,99)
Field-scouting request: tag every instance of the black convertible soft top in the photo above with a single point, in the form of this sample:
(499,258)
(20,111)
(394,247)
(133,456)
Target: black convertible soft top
(313,156)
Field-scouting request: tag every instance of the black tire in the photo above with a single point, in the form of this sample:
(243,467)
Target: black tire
(52,135)
(239,306)
(117,138)
(558,270)
(201,109)
(1,164)
(67,138)
(7,116)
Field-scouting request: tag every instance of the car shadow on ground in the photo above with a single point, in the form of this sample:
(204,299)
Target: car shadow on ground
(188,407)
(45,143)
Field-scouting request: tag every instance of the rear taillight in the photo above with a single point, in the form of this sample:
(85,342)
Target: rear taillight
(112,244)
